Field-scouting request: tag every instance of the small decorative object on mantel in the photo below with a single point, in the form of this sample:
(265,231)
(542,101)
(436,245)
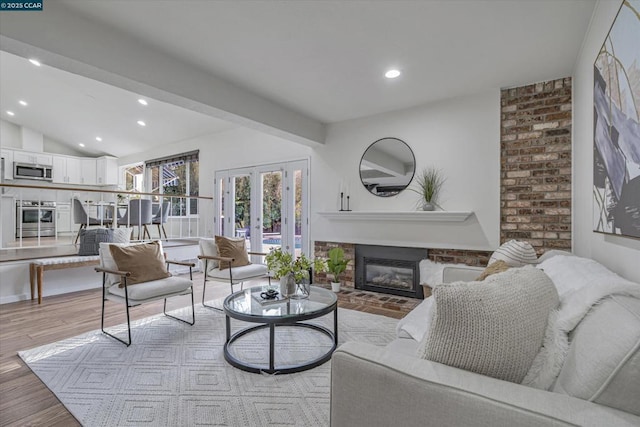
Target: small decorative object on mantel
(429,184)
(336,265)
(342,196)
(293,272)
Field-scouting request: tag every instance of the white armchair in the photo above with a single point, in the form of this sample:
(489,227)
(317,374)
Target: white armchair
(135,274)
(219,268)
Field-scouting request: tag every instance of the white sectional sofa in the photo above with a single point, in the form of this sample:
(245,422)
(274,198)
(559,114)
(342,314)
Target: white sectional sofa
(598,384)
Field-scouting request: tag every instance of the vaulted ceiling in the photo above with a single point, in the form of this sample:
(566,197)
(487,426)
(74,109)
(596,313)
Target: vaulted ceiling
(283,67)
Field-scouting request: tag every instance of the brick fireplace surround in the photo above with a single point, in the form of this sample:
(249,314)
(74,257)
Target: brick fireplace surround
(390,302)
(535,186)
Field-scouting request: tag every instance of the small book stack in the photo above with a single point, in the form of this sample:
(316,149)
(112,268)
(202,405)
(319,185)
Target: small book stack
(264,301)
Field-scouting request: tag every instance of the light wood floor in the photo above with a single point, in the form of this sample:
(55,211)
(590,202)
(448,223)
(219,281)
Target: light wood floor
(24,400)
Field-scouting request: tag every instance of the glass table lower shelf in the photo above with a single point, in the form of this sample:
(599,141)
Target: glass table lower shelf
(289,315)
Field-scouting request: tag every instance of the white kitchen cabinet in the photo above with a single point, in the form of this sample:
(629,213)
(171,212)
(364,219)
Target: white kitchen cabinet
(7,155)
(88,172)
(63,219)
(30,157)
(107,168)
(66,170)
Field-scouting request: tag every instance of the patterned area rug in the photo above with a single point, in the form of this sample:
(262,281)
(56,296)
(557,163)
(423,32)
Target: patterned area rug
(175,374)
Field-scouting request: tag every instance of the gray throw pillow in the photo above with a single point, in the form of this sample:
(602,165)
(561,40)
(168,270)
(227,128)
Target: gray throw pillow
(494,327)
(90,240)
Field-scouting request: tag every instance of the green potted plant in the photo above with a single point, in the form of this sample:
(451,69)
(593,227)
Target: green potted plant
(428,184)
(336,265)
(292,272)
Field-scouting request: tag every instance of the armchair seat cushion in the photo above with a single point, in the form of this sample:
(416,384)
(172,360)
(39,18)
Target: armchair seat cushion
(153,289)
(239,273)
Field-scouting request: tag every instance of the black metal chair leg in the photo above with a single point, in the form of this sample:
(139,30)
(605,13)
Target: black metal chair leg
(193,311)
(129,332)
(102,319)
(78,234)
(204,288)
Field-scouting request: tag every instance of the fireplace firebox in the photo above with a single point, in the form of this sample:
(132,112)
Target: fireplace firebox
(389,269)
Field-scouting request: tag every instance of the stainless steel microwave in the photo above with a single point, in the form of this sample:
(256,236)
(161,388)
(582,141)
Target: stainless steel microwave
(31,171)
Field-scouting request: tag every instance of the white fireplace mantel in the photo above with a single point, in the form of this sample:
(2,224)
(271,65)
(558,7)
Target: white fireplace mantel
(408,216)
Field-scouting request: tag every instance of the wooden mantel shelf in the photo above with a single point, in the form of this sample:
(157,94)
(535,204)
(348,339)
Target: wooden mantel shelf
(409,216)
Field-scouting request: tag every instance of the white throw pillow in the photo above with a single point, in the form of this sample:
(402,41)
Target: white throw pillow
(570,273)
(208,247)
(121,235)
(494,327)
(515,253)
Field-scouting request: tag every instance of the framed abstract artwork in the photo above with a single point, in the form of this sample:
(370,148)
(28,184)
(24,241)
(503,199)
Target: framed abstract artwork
(616,130)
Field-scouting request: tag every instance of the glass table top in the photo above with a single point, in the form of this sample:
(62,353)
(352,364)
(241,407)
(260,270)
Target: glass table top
(249,303)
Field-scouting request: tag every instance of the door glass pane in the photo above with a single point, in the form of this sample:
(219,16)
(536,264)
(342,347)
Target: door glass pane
(222,192)
(271,210)
(194,186)
(242,199)
(297,210)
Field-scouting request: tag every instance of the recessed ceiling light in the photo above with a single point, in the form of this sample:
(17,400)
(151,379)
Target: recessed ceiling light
(143,101)
(81,144)
(11,113)
(392,74)
(141,123)
(23,103)
(35,62)
(98,139)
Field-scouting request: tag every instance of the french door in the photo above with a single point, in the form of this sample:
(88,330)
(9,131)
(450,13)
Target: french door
(268,205)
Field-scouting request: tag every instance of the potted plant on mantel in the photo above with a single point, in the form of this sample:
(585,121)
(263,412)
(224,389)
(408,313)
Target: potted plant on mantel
(292,272)
(336,265)
(429,184)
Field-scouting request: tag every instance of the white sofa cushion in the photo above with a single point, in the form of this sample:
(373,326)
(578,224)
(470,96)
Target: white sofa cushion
(550,254)
(239,273)
(603,363)
(494,327)
(153,289)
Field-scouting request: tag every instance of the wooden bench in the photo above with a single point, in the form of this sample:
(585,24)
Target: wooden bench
(38,267)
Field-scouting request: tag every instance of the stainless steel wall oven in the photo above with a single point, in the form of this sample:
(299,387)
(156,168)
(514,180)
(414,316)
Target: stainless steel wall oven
(35,218)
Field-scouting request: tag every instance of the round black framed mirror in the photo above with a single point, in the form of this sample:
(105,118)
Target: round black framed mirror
(387,167)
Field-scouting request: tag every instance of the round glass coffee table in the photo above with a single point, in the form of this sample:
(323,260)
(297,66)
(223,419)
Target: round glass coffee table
(247,305)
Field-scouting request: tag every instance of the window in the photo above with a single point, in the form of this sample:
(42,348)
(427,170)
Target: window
(133,177)
(176,176)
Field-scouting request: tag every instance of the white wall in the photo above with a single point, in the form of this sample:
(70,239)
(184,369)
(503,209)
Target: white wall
(617,253)
(57,147)
(461,136)
(10,136)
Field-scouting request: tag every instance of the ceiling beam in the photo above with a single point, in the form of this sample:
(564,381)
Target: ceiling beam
(63,39)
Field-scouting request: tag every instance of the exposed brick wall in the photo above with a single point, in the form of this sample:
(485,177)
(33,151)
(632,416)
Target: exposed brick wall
(460,256)
(348,277)
(535,158)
